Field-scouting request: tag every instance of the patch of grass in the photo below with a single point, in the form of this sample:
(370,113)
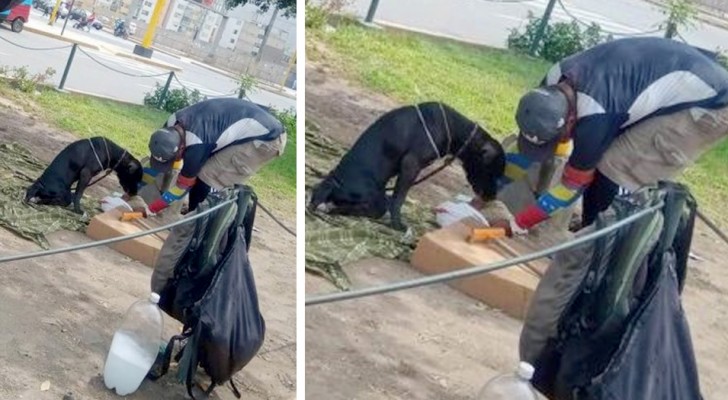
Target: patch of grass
(483,83)
(130,126)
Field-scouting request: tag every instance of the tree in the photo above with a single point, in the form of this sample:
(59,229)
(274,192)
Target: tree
(287,7)
(680,14)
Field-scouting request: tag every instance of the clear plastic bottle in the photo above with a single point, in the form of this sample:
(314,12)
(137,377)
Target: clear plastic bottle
(513,386)
(134,347)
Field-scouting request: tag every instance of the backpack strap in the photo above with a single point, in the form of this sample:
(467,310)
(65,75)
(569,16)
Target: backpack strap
(234,388)
(166,358)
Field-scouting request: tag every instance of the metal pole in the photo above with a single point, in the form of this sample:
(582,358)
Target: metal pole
(163,97)
(54,13)
(68,66)
(372,10)
(542,26)
(68,16)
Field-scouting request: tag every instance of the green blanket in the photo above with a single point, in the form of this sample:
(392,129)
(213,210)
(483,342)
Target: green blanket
(18,169)
(334,241)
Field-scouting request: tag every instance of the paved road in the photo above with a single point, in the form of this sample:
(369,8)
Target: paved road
(489,21)
(88,76)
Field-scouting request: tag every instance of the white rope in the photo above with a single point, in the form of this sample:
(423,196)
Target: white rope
(427,131)
(96,155)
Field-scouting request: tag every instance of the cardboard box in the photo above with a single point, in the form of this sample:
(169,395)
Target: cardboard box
(509,289)
(144,249)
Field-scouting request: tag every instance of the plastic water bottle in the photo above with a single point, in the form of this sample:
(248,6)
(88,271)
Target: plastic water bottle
(134,347)
(514,386)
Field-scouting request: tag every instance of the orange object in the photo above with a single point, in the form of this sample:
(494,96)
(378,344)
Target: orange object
(481,234)
(129,216)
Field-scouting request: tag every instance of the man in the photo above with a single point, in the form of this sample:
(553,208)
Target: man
(637,111)
(221,142)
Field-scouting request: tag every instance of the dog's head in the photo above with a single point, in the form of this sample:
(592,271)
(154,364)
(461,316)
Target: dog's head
(130,173)
(484,162)
(37,193)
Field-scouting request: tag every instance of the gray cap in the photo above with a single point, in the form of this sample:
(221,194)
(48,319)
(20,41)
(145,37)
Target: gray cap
(163,148)
(541,118)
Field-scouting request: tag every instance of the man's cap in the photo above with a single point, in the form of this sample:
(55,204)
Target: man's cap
(541,118)
(163,148)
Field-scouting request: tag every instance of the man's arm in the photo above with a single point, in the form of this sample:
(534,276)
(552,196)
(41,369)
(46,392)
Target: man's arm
(194,158)
(592,136)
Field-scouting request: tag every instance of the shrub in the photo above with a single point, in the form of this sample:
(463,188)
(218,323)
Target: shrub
(20,78)
(560,39)
(176,99)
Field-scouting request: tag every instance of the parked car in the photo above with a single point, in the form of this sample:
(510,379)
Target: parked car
(98,25)
(78,14)
(132,28)
(17,16)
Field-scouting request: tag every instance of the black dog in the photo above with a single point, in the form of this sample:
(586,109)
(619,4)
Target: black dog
(401,143)
(79,162)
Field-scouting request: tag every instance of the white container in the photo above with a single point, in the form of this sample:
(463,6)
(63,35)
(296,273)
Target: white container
(451,212)
(514,386)
(134,347)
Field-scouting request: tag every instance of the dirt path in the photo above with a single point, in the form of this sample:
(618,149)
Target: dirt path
(435,343)
(58,314)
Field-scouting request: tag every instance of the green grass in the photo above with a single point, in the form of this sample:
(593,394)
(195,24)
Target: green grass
(130,126)
(483,83)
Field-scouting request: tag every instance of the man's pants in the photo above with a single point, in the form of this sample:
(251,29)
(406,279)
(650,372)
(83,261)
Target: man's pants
(233,166)
(656,149)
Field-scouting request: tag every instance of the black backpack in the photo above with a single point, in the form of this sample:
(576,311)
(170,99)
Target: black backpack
(622,334)
(213,294)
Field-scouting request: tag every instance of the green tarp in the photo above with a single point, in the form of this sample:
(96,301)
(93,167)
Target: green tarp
(334,241)
(18,169)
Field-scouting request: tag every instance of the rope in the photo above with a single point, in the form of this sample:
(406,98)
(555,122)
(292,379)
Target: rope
(476,270)
(713,226)
(579,21)
(270,214)
(104,242)
(36,48)
(119,71)
(427,131)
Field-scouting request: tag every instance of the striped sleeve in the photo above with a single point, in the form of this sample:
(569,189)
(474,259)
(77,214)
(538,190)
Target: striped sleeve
(176,192)
(573,183)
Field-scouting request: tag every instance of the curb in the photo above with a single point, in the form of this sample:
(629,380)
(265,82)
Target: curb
(703,15)
(98,96)
(59,37)
(230,75)
(149,61)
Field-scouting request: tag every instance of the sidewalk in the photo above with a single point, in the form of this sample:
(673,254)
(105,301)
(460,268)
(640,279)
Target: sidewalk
(42,28)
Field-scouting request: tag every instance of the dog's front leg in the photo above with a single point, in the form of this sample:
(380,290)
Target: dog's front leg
(408,171)
(83,181)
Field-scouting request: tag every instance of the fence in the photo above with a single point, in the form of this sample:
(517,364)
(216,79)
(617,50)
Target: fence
(170,76)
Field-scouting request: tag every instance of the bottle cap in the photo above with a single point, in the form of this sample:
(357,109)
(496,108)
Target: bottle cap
(154,298)
(525,370)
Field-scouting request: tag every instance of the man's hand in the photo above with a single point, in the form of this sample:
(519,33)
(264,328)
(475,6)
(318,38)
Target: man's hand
(510,226)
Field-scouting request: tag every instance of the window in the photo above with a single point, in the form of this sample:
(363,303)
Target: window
(145,13)
(177,14)
(148,3)
(235,32)
(232,41)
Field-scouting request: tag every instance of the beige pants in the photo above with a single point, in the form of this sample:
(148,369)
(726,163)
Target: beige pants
(659,148)
(235,164)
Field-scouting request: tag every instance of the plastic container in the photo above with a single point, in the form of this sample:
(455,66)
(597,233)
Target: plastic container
(134,347)
(513,386)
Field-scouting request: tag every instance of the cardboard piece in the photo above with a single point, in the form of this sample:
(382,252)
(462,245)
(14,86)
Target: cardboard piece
(509,290)
(144,249)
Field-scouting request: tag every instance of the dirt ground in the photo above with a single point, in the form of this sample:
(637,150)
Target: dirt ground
(58,314)
(434,342)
